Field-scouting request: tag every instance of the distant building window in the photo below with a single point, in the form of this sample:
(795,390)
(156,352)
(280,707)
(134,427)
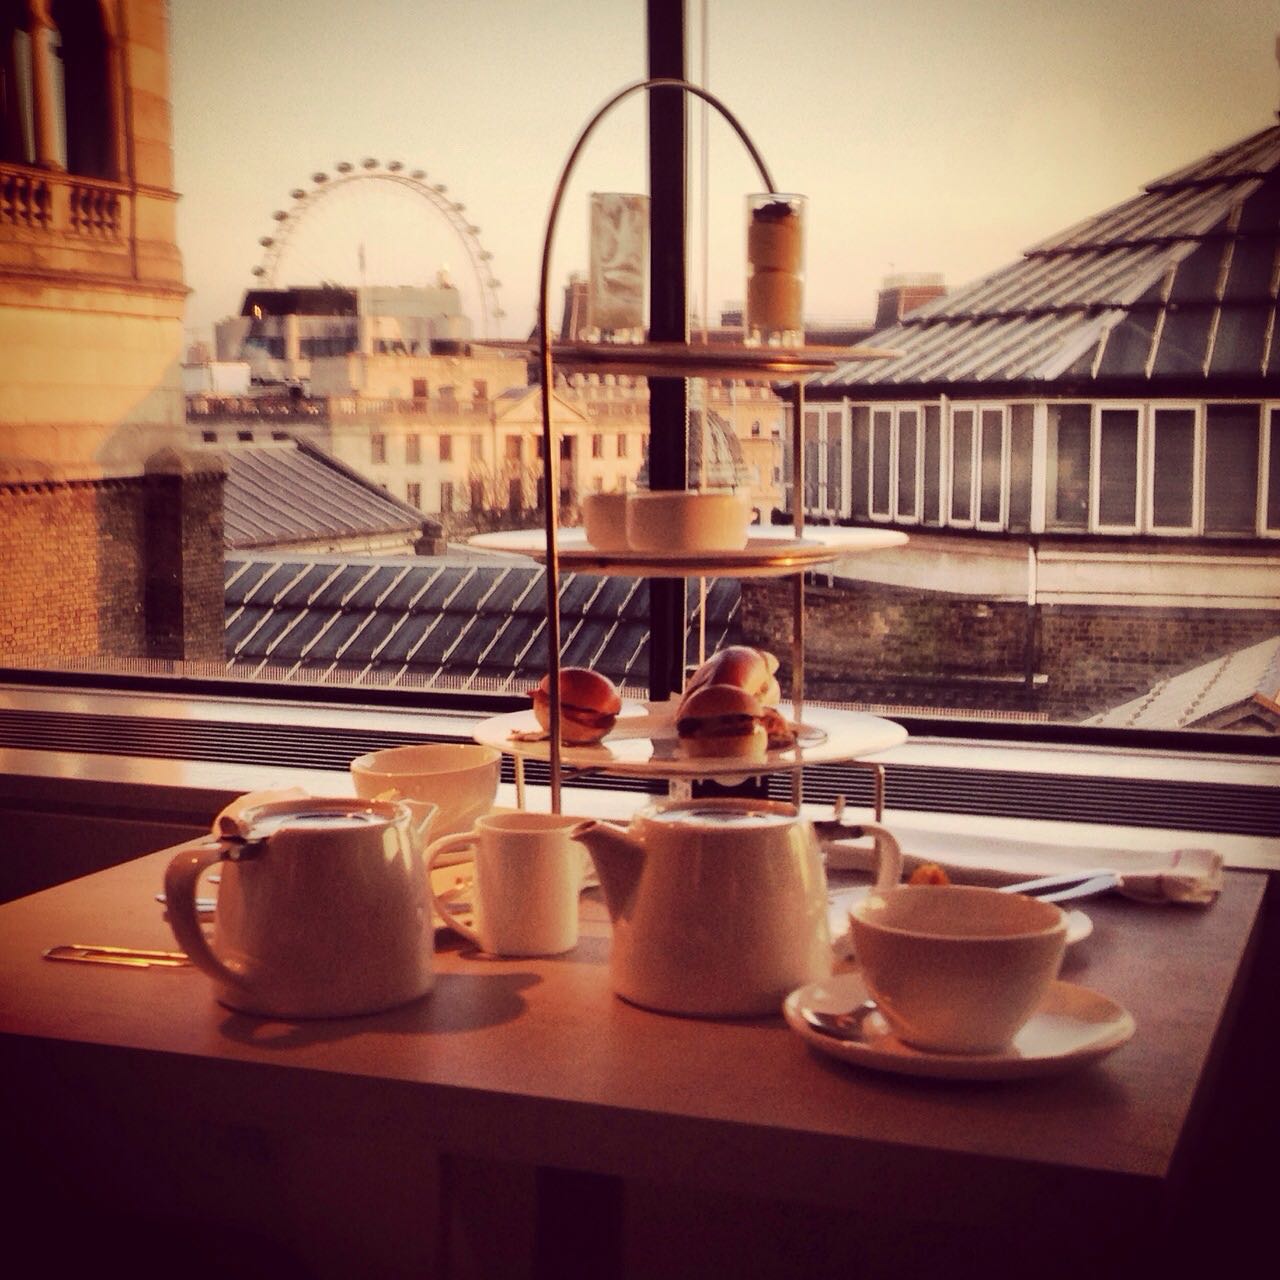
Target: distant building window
(1117,479)
(1231,468)
(209,437)
(378,446)
(515,494)
(477,448)
(597,445)
(446,497)
(1273,472)
(755,429)
(420,388)
(413,494)
(1067,483)
(907,501)
(991,478)
(446,448)
(477,495)
(881,461)
(931,487)
(245,436)
(1173,468)
(964,439)
(597,484)
(280,436)
(412,449)
(622,445)
(480,390)
(514,447)
(566,448)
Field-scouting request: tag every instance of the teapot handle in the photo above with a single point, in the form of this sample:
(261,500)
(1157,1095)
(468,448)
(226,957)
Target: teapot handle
(180,879)
(888,854)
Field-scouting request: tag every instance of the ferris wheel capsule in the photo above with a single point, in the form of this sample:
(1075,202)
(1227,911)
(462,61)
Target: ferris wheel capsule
(298,193)
(394,166)
(259,271)
(418,174)
(280,216)
(266,241)
(369,162)
(319,177)
(344,166)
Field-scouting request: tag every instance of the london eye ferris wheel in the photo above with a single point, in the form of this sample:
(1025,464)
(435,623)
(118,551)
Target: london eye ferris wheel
(381,224)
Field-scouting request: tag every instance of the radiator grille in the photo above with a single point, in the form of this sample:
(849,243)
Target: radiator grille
(1202,806)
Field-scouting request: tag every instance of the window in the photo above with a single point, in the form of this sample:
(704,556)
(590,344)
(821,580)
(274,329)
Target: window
(931,487)
(480,390)
(245,437)
(446,448)
(1116,474)
(597,445)
(515,495)
(377,447)
(755,429)
(1068,466)
(412,449)
(413,494)
(1231,468)
(1273,471)
(881,462)
(991,480)
(477,448)
(477,495)
(209,437)
(622,445)
(420,391)
(908,464)
(963,443)
(1174,449)
(446,497)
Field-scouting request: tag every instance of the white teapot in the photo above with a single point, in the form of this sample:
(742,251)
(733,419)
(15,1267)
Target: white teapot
(719,907)
(323,906)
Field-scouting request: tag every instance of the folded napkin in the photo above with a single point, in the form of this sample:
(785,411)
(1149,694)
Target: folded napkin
(1191,876)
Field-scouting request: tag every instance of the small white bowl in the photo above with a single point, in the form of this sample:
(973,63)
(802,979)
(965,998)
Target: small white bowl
(680,520)
(604,518)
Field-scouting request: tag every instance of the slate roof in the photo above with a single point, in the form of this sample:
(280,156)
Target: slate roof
(1240,686)
(288,493)
(445,621)
(1175,286)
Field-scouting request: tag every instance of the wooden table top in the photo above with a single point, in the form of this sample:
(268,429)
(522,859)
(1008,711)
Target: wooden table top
(538,1060)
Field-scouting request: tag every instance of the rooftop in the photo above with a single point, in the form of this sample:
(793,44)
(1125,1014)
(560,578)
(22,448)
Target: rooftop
(1176,286)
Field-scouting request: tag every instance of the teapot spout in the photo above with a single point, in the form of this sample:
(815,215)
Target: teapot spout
(618,860)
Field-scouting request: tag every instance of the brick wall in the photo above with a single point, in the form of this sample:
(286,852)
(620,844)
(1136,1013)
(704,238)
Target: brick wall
(75,564)
(883,644)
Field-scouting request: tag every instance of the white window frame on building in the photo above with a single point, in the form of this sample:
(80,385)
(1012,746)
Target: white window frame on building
(1269,470)
(412,449)
(413,493)
(1102,411)
(1153,418)
(377,447)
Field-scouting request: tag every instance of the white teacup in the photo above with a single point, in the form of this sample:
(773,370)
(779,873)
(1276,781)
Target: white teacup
(528,874)
(955,968)
(459,778)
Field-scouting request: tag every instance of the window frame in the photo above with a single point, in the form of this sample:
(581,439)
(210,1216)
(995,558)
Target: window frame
(1196,527)
(1141,475)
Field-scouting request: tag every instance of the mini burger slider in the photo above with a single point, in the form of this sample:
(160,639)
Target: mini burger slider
(721,720)
(589,705)
(751,670)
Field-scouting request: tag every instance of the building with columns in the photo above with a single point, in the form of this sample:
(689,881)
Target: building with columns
(110,532)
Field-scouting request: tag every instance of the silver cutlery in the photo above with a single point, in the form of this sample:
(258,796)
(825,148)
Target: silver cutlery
(1067,885)
(846,1025)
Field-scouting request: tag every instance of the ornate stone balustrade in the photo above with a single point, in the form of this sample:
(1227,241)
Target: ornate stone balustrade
(45,210)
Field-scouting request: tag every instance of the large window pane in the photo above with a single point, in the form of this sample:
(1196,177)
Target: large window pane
(859,460)
(962,464)
(932,464)
(881,448)
(992,465)
(1231,468)
(1068,480)
(1173,466)
(811,459)
(908,447)
(835,461)
(1118,467)
(1021,427)
(1273,473)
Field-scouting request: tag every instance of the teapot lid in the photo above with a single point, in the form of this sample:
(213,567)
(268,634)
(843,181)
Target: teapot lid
(723,814)
(257,822)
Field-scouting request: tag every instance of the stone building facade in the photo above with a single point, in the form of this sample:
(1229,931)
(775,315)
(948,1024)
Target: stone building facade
(111,534)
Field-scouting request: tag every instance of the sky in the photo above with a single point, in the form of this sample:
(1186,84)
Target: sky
(928,136)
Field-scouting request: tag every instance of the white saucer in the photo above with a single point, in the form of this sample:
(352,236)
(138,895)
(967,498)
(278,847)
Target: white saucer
(1079,925)
(1072,1027)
